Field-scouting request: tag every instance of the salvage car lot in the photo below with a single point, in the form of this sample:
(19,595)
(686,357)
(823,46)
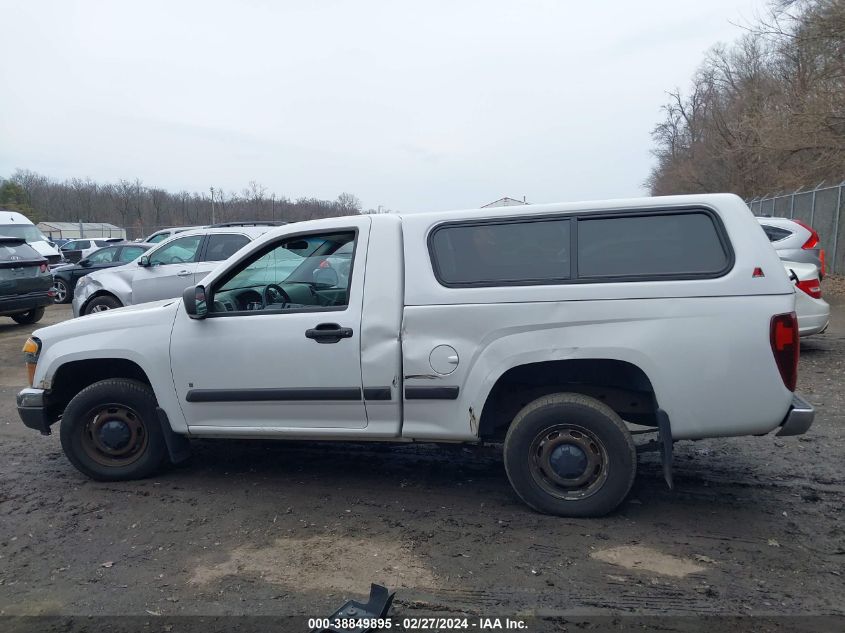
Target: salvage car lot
(290,528)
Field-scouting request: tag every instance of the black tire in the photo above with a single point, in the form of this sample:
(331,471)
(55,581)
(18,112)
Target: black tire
(27,318)
(550,481)
(124,403)
(104,302)
(63,293)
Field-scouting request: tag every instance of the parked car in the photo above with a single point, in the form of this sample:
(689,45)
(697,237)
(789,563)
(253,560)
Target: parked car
(66,277)
(26,285)
(14,224)
(79,249)
(163,272)
(163,234)
(794,241)
(556,329)
(813,311)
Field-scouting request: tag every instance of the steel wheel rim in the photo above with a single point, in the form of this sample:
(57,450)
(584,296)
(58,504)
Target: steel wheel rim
(102,419)
(583,442)
(61,291)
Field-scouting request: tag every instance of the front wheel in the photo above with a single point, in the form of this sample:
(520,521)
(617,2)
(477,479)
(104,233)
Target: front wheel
(570,455)
(27,318)
(110,431)
(101,304)
(63,294)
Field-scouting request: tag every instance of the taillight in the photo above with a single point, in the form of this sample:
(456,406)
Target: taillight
(822,262)
(812,287)
(43,268)
(813,240)
(783,335)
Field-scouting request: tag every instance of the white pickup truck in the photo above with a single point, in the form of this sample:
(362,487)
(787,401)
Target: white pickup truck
(561,330)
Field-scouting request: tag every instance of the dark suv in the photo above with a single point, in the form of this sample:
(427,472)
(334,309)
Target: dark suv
(26,285)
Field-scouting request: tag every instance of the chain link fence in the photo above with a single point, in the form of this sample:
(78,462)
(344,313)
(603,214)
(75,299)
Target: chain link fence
(821,208)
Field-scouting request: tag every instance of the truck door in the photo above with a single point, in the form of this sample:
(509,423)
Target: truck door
(281,346)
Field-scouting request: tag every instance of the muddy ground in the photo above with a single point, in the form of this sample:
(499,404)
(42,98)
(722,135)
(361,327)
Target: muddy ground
(755,525)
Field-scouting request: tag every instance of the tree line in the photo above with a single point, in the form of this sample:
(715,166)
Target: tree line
(765,114)
(140,208)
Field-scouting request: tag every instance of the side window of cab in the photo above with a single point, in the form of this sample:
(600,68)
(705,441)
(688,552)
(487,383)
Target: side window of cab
(309,272)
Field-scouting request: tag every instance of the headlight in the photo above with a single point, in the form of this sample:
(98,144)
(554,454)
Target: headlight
(31,350)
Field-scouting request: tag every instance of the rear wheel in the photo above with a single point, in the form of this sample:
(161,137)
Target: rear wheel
(101,304)
(110,431)
(25,318)
(62,291)
(570,455)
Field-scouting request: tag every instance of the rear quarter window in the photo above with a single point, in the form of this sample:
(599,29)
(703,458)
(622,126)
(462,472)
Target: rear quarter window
(775,233)
(666,244)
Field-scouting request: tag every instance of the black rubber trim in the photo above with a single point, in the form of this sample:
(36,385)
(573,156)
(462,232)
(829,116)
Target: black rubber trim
(178,446)
(273,395)
(431,393)
(376,393)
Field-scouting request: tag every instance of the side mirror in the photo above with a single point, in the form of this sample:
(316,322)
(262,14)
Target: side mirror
(325,277)
(194,299)
(85,263)
(144,261)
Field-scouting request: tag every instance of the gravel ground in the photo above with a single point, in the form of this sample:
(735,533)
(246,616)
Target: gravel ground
(753,527)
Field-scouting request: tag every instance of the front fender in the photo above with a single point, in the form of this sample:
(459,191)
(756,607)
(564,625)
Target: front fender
(141,336)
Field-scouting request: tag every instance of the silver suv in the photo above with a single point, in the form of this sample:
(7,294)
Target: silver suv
(162,272)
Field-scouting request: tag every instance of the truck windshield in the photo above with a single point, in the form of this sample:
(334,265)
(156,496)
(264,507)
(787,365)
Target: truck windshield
(27,232)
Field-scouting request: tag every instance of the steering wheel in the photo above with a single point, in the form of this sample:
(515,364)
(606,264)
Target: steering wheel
(279,290)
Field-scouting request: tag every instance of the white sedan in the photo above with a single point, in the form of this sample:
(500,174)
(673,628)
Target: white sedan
(813,311)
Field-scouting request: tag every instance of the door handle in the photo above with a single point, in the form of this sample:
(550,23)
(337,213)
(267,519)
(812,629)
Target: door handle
(183,273)
(328,333)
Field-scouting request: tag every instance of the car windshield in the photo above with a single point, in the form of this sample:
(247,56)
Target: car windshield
(27,232)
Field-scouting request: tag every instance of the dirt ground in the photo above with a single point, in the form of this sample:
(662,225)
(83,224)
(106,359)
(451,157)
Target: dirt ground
(755,525)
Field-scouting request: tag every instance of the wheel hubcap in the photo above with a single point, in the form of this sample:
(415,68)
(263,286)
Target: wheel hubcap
(100,308)
(568,461)
(114,435)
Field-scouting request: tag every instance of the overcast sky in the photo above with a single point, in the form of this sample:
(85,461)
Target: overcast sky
(410,105)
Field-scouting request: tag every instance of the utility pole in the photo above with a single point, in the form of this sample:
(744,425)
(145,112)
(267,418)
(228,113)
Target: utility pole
(273,206)
(212,205)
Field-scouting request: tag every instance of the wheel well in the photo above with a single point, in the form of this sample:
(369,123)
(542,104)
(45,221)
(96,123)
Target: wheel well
(73,377)
(624,387)
(97,295)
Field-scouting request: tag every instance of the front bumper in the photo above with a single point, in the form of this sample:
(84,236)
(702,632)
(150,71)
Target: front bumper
(32,409)
(799,419)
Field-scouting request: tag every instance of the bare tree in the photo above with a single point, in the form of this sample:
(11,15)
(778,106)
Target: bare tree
(763,114)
